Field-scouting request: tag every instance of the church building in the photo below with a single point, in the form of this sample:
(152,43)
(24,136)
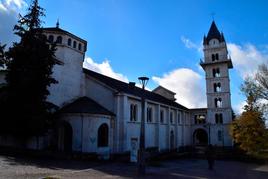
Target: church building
(99,114)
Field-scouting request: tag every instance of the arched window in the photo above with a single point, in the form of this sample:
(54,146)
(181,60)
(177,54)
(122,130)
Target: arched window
(103,135)
(51,38)
(216,72)
(218,102)
(217,56)
(217,87)
(213,57)
(69,42)
(79,46)
(74,44)
(59,40)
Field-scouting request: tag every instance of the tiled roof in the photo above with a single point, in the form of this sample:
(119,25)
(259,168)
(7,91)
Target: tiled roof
(85,105)
(133,90)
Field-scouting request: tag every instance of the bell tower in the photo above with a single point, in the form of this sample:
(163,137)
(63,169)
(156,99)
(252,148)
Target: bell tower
(216,65)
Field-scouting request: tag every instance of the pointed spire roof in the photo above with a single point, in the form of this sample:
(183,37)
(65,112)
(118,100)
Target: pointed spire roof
(213,33)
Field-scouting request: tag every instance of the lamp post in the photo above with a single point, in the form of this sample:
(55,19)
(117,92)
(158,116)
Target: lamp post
(141,163)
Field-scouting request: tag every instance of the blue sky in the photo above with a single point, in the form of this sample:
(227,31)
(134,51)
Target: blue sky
(162,39)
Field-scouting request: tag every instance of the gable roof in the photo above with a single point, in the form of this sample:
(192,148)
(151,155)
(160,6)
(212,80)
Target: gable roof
(133,90)
(85,105)
(161,87)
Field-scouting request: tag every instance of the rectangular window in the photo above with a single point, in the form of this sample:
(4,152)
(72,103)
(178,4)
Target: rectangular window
(179,118)
(133,112)
(171,118)
(162,116)
(149,114)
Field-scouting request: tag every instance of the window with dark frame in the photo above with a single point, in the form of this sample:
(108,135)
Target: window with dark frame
(217,56)
(59,40)
(213,57)
(171,117)
(149,114)
(162,116)
(218,102)
(69,42)
(133,112)
(74,44)
(79,46)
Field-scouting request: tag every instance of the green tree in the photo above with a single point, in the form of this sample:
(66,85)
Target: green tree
(29,74)
(257,86)
(2,55)
(248,130)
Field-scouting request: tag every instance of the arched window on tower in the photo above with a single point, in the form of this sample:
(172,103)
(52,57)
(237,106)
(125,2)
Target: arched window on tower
(69,42)
(51,38)
(103,135)
(216,72)
(213,57)
(217,87)
(218,102)
(216,56)
(79,46)
(74,44)
(59,40)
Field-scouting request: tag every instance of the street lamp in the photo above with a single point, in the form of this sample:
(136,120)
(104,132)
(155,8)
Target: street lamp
(143,81)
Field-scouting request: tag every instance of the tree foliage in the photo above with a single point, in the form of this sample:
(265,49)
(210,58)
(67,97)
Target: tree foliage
(29,74)
(2,55)
(257,87)
(248,130)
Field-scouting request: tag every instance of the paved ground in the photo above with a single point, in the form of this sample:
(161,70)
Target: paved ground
(11,167)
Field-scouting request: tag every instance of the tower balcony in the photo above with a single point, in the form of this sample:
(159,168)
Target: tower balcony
(228,61)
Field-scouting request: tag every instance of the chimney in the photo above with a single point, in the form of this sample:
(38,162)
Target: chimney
(131,84)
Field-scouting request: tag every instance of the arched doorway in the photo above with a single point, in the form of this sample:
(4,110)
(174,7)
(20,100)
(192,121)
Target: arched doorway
(103,135)
(200,137)
(65,137)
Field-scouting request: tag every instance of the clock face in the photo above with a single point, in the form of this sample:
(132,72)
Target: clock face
(214,42)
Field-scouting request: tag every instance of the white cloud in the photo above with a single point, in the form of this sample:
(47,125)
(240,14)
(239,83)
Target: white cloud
(239,108)
(246,58)
(187,85)
(103,68)
(189,44)
(9,10)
